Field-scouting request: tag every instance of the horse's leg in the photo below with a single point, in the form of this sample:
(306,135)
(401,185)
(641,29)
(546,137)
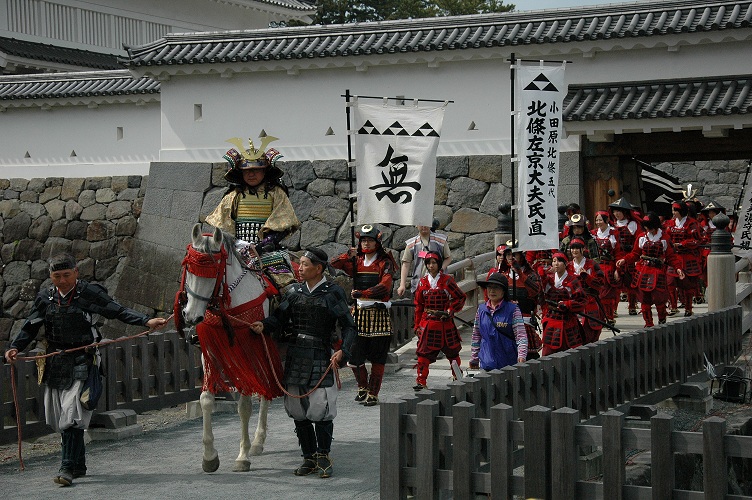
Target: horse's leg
(260,437)
(210,462)
(245,409)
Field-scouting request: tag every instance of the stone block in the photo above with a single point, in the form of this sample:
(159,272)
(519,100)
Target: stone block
(73,210)
(16,272)
(28,196)
(642,412)
(40,228)
(210,202)
(298,174)
(95,183)
(71,188)
(118,209)
(486,168)
(100,434)
(158,202)
(330,169)
(450,167)
(33,209)
(55,209)
(321,187)
(49,194)
(105,195)
(186,205)
(303,204)
(19,184)
(128,194)
(87,198)
(164,230)
(495,196)
(180,176)
(76,230)
(467,220)
(17,228)
(315,233)
(113,419)
(330,210)
(37,185)
(99,230)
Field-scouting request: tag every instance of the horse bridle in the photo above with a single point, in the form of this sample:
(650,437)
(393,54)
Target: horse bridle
(203,265)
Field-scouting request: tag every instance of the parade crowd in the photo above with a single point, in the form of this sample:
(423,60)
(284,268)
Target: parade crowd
(535,303)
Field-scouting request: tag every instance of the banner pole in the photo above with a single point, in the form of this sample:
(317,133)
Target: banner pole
(349,169)
(744,187)
(511,149)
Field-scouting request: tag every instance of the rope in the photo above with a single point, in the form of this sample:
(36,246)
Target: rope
(333,367)
(18,418)
(43,356)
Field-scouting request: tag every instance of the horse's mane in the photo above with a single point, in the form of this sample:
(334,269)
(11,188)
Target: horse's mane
(229,241)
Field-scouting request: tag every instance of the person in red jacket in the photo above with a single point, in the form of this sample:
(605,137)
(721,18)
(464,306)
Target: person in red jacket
(437,299)
(372,276)
(591,278)
(686,237)
(651,253)
(607,238)
(564,298)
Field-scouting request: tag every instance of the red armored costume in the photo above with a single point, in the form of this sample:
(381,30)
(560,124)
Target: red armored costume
(564,298)
(591,279)
(629,230)
(686,236)
(652,252)
(437,298)
(606,237)
(372,287)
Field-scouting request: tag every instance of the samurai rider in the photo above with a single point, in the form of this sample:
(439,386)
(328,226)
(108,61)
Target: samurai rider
(372,288)
(309,314)
(68,311)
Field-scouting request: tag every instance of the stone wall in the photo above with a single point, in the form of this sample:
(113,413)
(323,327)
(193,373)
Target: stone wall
(96,220)
(93,218)
(719,180)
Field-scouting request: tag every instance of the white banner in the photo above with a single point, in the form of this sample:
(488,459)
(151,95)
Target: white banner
(539,94)
(395,155)
(743,232)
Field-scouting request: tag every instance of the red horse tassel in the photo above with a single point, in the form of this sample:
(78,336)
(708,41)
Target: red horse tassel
(239,365)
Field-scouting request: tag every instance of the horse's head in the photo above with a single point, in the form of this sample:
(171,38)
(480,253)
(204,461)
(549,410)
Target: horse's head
(203,277)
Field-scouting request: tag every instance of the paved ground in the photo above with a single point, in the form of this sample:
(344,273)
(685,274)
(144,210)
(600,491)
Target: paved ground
(166,464)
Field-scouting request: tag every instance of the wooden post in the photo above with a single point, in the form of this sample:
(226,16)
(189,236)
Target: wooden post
(392,449)
(537,452)
(502,447)
(721,290)
(662,476)
(564,460)
(714,458)
(426,449)
(463,459)
(614,471)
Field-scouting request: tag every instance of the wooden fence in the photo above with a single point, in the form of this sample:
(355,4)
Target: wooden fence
(639,367)
(151,372)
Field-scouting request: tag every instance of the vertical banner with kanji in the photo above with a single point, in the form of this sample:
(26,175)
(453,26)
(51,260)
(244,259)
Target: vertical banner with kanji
(395,155)
(539,94)
(743,233)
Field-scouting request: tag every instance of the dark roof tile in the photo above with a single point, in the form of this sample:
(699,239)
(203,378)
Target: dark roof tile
(669,98)
(79,84)
(62,55)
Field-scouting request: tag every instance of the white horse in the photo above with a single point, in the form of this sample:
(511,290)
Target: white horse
(221,296)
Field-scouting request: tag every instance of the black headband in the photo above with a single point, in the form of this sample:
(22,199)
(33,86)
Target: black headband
(315,258)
